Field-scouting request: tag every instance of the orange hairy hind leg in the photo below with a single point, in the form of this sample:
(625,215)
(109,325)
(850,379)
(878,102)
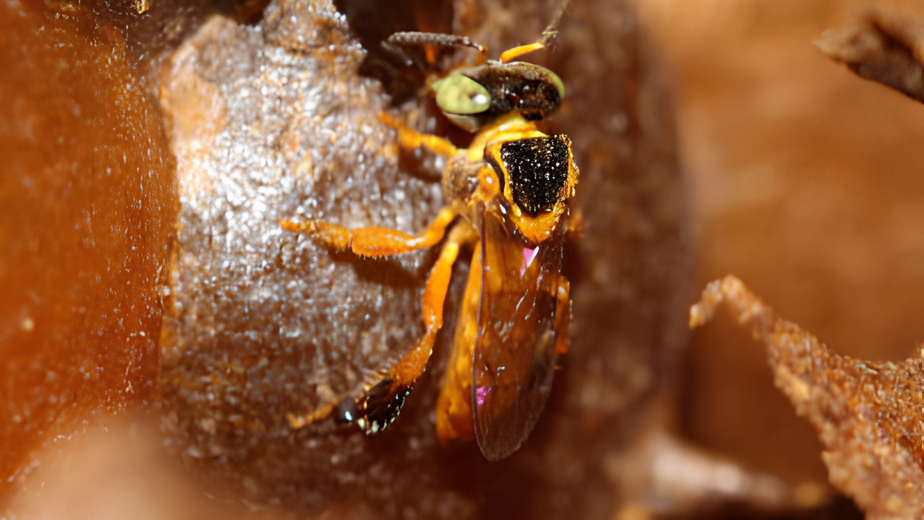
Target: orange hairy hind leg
(454,405)
(383,401)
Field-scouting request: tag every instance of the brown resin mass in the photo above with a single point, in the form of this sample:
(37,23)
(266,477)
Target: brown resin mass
(87,205)
(272,121)
(868,415)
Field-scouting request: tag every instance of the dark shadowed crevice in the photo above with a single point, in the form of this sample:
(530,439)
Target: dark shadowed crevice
(373,21)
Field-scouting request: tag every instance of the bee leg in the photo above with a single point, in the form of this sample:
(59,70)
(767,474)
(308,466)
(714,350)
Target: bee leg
(344,410)
(299,421)
(562,315)
(410,139)
(454,405)
(373,241)
(382,402)
(576,224)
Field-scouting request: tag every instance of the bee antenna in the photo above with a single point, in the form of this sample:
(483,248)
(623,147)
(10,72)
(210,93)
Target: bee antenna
(552,29)
(547,36)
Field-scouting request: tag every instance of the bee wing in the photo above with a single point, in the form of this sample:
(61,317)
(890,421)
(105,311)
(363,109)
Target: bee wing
(514,358)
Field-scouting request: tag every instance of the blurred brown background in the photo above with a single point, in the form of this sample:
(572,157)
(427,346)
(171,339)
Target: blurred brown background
(804,181)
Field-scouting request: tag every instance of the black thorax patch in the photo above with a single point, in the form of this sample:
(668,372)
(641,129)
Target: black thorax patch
(538,170)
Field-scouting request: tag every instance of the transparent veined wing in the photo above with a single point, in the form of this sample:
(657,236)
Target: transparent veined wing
(515,352)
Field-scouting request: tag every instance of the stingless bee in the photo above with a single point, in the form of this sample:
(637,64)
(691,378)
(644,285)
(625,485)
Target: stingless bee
(507,199)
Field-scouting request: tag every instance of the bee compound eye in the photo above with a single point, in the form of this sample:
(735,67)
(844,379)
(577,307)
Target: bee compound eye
(557,82)
(460,94)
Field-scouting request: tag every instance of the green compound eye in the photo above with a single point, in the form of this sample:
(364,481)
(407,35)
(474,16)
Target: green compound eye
(460,94)
(559,85)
